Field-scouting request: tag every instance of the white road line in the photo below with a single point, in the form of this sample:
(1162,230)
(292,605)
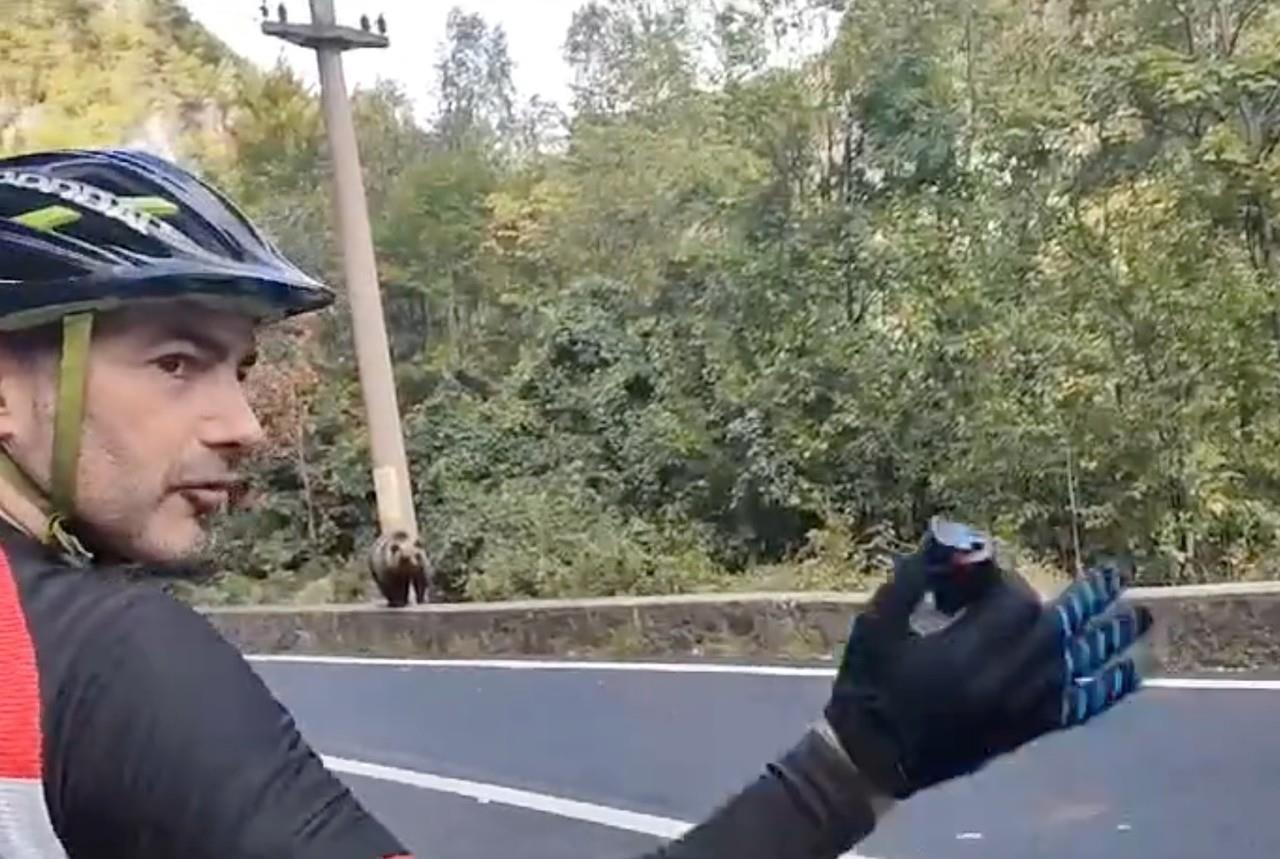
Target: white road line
(555,665)
(648,824)
(1207,684)
(1210,684)
(615,818)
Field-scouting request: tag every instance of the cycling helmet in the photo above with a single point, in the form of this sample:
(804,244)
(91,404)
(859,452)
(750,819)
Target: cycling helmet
(83,231)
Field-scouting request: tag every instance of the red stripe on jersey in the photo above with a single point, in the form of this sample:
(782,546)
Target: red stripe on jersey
(20,738)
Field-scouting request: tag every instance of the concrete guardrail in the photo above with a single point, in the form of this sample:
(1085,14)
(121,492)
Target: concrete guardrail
(1198,628)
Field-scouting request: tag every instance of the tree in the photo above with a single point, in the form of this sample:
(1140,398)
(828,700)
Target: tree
(748,316)
(477,96)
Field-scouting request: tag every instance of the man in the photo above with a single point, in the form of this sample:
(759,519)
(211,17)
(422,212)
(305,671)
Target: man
(130,728)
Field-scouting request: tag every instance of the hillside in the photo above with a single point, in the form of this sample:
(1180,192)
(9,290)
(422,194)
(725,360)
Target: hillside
(90,72)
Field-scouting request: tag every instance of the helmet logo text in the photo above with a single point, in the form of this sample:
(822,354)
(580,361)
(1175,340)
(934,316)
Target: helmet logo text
(86,196)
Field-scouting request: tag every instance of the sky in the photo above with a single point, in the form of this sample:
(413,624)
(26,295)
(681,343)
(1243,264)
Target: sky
(535,35)
(535,32)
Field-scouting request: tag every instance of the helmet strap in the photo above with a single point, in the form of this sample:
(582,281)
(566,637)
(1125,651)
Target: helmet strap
(77,331)
(24,505)
(23,501)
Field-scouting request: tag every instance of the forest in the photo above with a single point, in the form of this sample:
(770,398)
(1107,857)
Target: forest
(743,316)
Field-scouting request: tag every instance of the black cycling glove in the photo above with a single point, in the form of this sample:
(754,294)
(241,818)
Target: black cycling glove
(914,710)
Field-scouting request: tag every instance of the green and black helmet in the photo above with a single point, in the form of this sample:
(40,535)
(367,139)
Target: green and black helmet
(85,231)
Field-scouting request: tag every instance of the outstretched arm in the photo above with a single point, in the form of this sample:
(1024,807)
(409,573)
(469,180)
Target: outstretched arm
(910,711)
(162,741)
(811,803)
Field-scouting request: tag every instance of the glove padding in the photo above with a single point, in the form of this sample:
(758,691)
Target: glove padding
(912,711)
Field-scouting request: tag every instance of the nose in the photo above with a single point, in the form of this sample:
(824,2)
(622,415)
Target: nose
(231,424)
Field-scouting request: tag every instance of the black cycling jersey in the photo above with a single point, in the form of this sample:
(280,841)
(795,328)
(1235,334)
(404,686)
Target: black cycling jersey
(156,737)
(130,727)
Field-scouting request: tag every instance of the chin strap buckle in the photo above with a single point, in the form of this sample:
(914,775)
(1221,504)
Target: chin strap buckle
(58,535)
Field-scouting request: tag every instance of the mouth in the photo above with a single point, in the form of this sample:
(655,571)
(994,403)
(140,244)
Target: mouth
(209,498)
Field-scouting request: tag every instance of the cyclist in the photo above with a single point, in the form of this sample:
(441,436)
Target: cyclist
(131,295)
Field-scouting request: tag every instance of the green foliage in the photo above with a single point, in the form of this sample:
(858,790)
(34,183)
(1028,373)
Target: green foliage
(737,325)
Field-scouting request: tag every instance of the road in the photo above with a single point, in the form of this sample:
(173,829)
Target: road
(470,761)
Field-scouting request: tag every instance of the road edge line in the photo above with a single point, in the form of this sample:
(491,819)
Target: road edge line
(483,792)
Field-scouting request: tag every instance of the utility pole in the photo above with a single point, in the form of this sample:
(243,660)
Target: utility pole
(373,357)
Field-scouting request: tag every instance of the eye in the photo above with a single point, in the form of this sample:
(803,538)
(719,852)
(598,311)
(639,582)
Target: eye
(175,364)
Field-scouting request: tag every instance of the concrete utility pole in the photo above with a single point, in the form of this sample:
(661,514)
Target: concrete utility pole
(390,466)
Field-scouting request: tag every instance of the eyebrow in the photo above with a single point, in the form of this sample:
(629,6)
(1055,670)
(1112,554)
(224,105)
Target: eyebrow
(218,349)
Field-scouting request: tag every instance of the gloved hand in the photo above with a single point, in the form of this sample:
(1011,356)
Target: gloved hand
(912,711)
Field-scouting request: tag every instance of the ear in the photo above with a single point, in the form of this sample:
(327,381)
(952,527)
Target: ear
(11,391)
(20,383)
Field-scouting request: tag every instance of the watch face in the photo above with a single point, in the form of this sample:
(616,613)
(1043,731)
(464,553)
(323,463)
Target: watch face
(972,544)
(955,535)
(958,562)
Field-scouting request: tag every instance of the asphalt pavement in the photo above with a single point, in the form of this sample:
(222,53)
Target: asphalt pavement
(465,762)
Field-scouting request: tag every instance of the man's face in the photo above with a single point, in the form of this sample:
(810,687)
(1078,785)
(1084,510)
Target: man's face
(167,423)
